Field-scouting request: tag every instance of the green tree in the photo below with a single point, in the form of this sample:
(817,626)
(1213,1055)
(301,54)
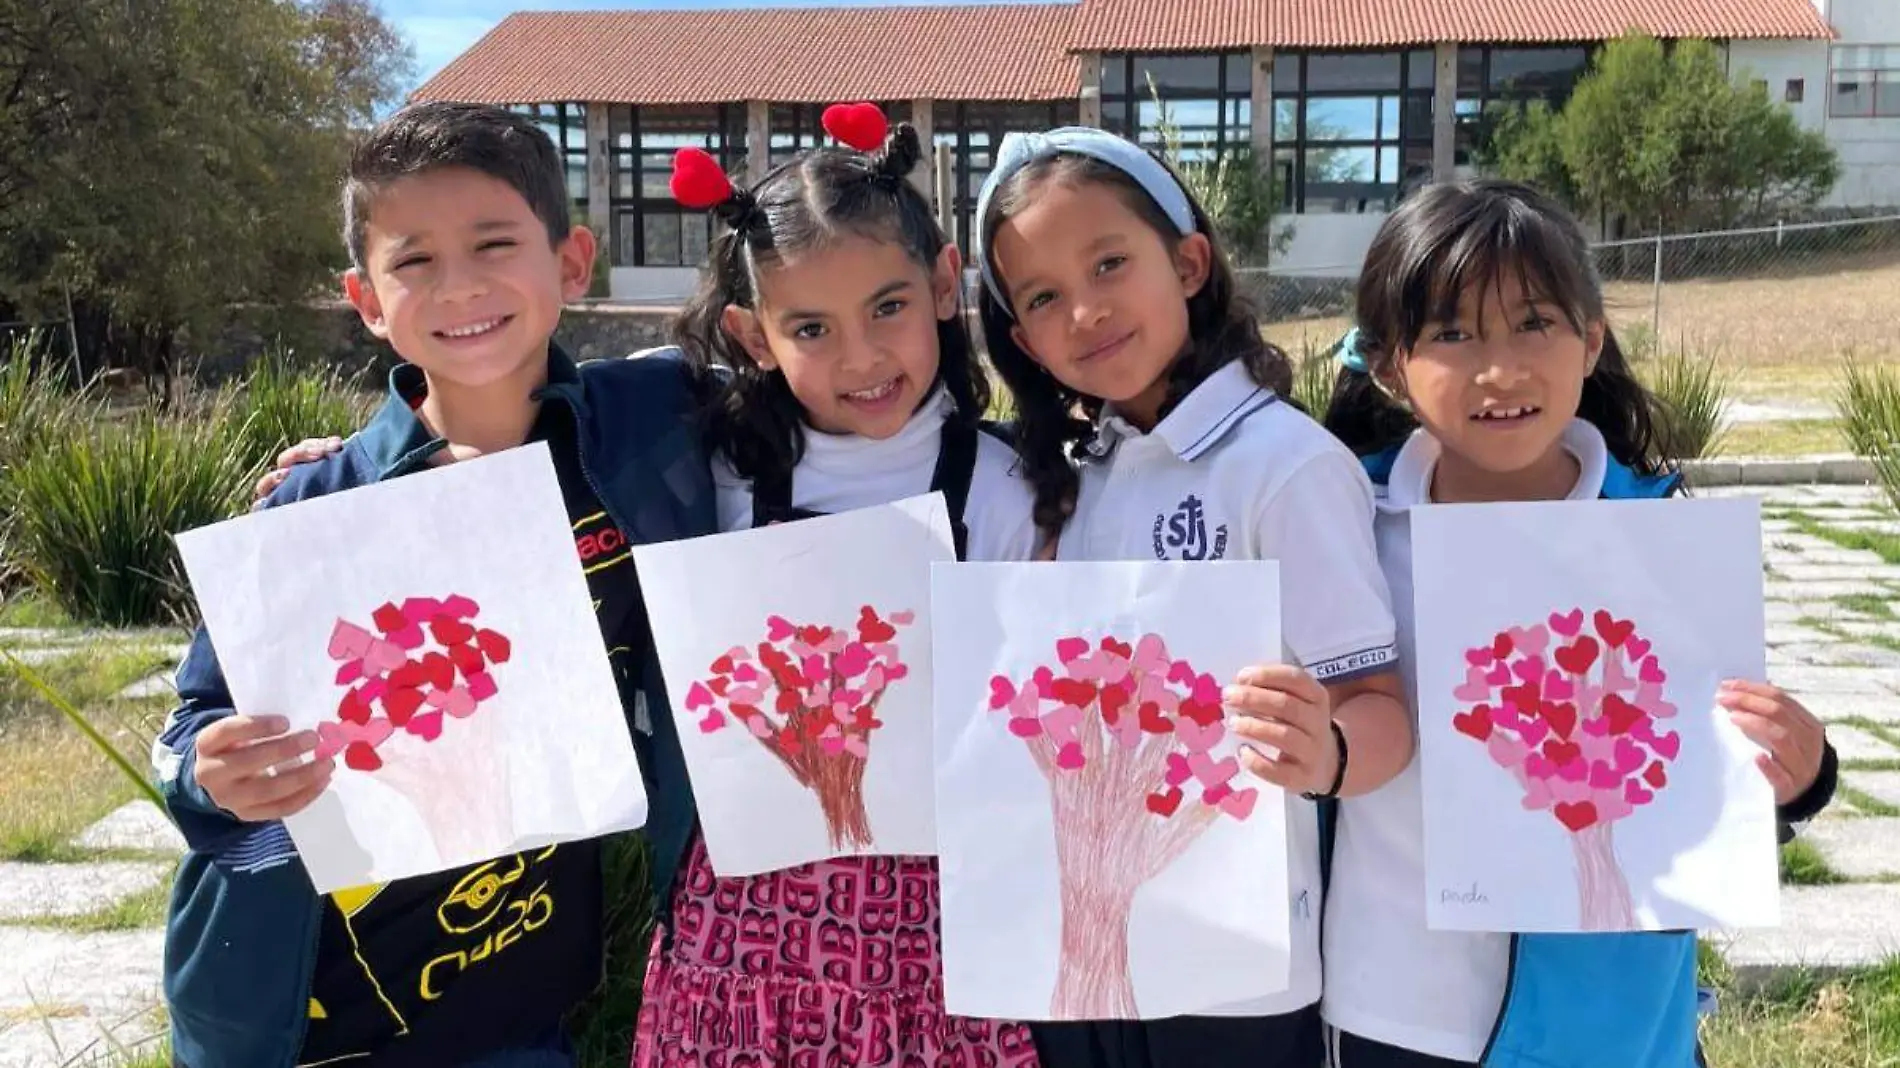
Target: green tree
(1240,197)
(161,161)
(1664,138)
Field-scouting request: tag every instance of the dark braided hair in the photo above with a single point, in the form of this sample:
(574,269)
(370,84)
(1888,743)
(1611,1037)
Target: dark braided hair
(826,193)
(1446,238)
(1055,424)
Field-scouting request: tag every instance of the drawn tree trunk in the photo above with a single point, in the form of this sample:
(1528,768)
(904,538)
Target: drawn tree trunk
(1120,738)
(1579,731)
(810,694)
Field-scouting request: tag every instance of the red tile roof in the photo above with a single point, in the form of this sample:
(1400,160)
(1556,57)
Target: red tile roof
(1154,25)
(816,55)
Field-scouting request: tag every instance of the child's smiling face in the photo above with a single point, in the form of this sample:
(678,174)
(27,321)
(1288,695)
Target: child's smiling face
(460,277)
(1497,386)
(852,325)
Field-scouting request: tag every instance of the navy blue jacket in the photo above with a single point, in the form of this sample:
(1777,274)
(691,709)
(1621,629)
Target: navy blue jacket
(241,941)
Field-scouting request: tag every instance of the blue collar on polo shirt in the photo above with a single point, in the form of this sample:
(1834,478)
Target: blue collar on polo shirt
(1201,421)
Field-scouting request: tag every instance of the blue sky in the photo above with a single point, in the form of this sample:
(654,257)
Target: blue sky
(440,30)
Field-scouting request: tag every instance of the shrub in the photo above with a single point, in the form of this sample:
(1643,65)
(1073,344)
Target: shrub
(281,403)
(1691,390)
(1868,401)
(603,1025)
(1315,369)
(97,506)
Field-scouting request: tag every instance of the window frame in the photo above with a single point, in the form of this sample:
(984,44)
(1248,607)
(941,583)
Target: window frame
(1291,157)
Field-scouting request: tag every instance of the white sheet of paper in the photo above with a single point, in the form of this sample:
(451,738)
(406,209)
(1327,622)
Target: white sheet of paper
(546,758)
(1629,801)
(852,775)
(1065,896)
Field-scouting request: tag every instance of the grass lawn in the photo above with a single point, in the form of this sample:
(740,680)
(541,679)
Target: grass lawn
(1808,1021)
(1793,437)
(57,783)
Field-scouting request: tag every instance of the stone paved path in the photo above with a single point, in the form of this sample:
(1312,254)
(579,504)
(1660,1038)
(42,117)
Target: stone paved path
(1833,637)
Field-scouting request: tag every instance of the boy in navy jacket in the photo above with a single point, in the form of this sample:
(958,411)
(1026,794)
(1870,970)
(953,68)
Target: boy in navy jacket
(458,228)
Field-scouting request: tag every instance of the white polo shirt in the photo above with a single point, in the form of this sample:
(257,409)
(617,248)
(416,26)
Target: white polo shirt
(840,472)
(1388,977)
(1234,473)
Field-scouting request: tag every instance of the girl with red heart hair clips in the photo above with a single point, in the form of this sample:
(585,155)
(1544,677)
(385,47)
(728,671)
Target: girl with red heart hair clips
(1483,368)
(837,374)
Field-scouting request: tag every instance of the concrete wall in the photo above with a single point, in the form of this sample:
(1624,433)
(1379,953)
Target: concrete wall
(1863,21)
(1327,246)
(1777,62)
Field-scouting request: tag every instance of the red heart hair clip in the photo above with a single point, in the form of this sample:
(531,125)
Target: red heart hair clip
(698,181)
(862,126)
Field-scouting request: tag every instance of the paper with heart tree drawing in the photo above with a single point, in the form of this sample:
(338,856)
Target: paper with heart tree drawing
(436,631)
(797,662)
(1103,854)
(1577,773)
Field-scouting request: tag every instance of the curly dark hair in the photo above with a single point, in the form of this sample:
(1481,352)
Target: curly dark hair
(751,415)
(1054,423)
(1446,238)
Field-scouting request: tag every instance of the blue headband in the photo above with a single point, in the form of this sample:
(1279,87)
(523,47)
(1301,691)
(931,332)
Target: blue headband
(1352,352)
(1018,150)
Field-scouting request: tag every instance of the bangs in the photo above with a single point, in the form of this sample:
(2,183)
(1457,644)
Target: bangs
(1494,241)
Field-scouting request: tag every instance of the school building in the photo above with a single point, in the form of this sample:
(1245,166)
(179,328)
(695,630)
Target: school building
(1353,102)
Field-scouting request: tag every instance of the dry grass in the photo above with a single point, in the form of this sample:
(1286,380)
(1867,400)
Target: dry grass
(1794,437)
(1784,334)
(1807,1022)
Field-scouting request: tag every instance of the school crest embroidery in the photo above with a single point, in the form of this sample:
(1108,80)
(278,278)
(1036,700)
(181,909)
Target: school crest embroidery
(1182,534)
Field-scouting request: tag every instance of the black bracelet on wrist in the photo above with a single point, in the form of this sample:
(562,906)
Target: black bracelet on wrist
(1339,775)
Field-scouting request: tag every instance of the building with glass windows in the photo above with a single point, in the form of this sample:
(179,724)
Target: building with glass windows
(1350,102)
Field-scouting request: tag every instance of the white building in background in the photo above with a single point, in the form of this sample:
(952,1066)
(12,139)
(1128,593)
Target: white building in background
(1351,102)
(1849,88)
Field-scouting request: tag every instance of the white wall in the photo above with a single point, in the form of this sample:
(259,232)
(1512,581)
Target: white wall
(1863,21)
(660,286)
(1327,246)
(1776,62)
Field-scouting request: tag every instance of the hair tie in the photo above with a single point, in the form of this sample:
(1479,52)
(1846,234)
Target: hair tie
(1351,352)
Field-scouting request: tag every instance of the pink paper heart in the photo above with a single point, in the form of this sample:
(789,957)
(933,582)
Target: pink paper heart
(460,607)
(745,673)
(894,672)
(1538,767)
(1025,726)
(1636,647)
(1529,669)
(831,740)
(1612,807)
(1574,771)
(1069,650)
(1534,731)
(1211,772)
(1500,675)
(856,745)
(778,628)
(1151,655)
(1475,687)
(1240,804)
(1043,680)
(1506,751)
(1616,678)
(1196,738)
(409,637)
(1652,672)
(1069,757)
(1629,757)
(698,696)
(1567,625)
(1649,698)
(349,672)
(851,662)
(334,735)
(349,641)
(904,618)
(1603,777)
(1537,794)
(425,725)
(1668,745)
(1182,673)
(1479,657)
(759,726)
(815,669)
(1597,726)
(1569,791)
(1178,771)
(1002,692)
(457,702)
(714,720)
(421,609)
(1636,793)
(1061,722)
(746,695)
(1530,640)
(384,657)
(1558,687)
(375,688)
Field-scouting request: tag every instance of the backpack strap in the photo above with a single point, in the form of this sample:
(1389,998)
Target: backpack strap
(956,467)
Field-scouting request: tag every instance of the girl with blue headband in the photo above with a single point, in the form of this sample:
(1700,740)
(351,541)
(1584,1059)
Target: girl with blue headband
(1151,424)
(1483,368)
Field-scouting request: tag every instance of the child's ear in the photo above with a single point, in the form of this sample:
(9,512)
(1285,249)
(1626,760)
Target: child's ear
(1193,262)
(742,325)
(362,297)
(577,252)
(1594,337)
(946,283)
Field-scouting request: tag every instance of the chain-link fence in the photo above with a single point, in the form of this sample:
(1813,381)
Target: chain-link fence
(1788,293)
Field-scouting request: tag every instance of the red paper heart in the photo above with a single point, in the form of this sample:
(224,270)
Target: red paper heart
(1114,699)
(1614,631)
(1164,805)
(1476,723)
(468,660)
(719,685)
(1621,714)
(723,665)
(1524,698)
(1577,816)
(1201,713)
(351,708)
(496,647)
(449,631)
(698,182)
(1074,692)
(1120,649)
(1656,776)
(1152,719)
(862,126)
(1561,753)
(388,619)
(440,669)
(814,636)
(872,630)
(361,756)
(427,726)
(1561,717)
(1501,646)
(400,703)
(1577,657)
